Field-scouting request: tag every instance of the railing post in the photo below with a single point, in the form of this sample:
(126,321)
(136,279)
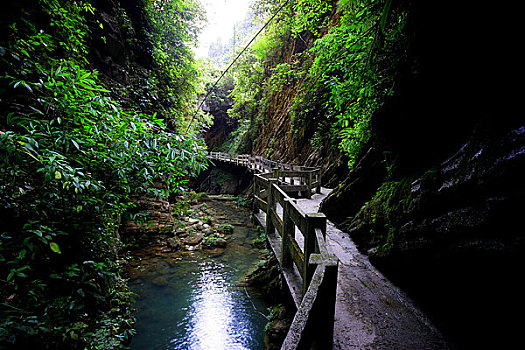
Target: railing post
(309,185)
(270,229)
(324,313)
(314,220)
(276,173)
(256,194)
(318,178)
(288,233)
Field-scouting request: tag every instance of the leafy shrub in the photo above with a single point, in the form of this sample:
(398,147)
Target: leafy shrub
(341,76)
(71,158)
(354,69)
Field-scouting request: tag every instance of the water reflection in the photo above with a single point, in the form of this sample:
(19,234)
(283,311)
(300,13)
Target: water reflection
(209,322)
(201,305)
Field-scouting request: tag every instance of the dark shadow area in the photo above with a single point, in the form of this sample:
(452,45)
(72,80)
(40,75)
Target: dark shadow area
(223,178)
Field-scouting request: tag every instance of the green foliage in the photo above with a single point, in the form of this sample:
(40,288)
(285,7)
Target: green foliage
(340,80)
(247,108)
(263,73)
(384,210)
(353,66)
(242,201)
(71,159)
(221,176)
(212,240)
(247,73)
(227,228)
(175,25)
(285,74)
(311,16)
(261,236)
(269,45)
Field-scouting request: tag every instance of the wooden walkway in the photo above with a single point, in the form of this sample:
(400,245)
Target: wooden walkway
(370,312)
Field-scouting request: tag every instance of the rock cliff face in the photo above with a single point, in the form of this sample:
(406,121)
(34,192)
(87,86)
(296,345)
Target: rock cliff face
(121,51)
(223,124)
(445,162)
(469,204)
(156,218)
(436,199)
(453,238)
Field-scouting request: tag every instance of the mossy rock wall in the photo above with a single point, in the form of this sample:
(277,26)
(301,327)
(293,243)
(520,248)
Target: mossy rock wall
(453,236)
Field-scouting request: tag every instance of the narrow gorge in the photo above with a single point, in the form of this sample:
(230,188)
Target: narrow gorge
(167,166)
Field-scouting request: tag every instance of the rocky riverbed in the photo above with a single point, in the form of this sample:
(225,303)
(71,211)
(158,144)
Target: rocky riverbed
(192,280)
(188,224)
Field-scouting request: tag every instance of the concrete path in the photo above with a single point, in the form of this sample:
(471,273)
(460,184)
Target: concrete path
(371,313)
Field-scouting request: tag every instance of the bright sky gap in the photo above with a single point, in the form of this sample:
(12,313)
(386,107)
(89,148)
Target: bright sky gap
(222,16)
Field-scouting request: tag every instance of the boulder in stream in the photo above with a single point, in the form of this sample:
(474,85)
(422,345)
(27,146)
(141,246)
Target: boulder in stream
(194,239)
(173,243)
(214,242)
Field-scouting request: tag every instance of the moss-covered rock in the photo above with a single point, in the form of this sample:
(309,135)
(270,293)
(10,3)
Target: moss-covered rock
(469,199)
(155,217)
(451,234)
(174,243)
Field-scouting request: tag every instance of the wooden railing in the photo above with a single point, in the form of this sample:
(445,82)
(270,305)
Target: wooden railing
(313,323)
(302,239)
(292,178)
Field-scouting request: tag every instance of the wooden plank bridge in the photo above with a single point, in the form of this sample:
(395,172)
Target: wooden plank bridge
(342,301)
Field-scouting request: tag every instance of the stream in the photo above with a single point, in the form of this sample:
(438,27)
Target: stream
(196,299)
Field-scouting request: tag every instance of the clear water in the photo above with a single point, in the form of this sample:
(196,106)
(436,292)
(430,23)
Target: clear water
(196,300)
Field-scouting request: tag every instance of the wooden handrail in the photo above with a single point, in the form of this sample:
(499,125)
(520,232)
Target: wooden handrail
(293,178)
(310,225)
(313,323)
